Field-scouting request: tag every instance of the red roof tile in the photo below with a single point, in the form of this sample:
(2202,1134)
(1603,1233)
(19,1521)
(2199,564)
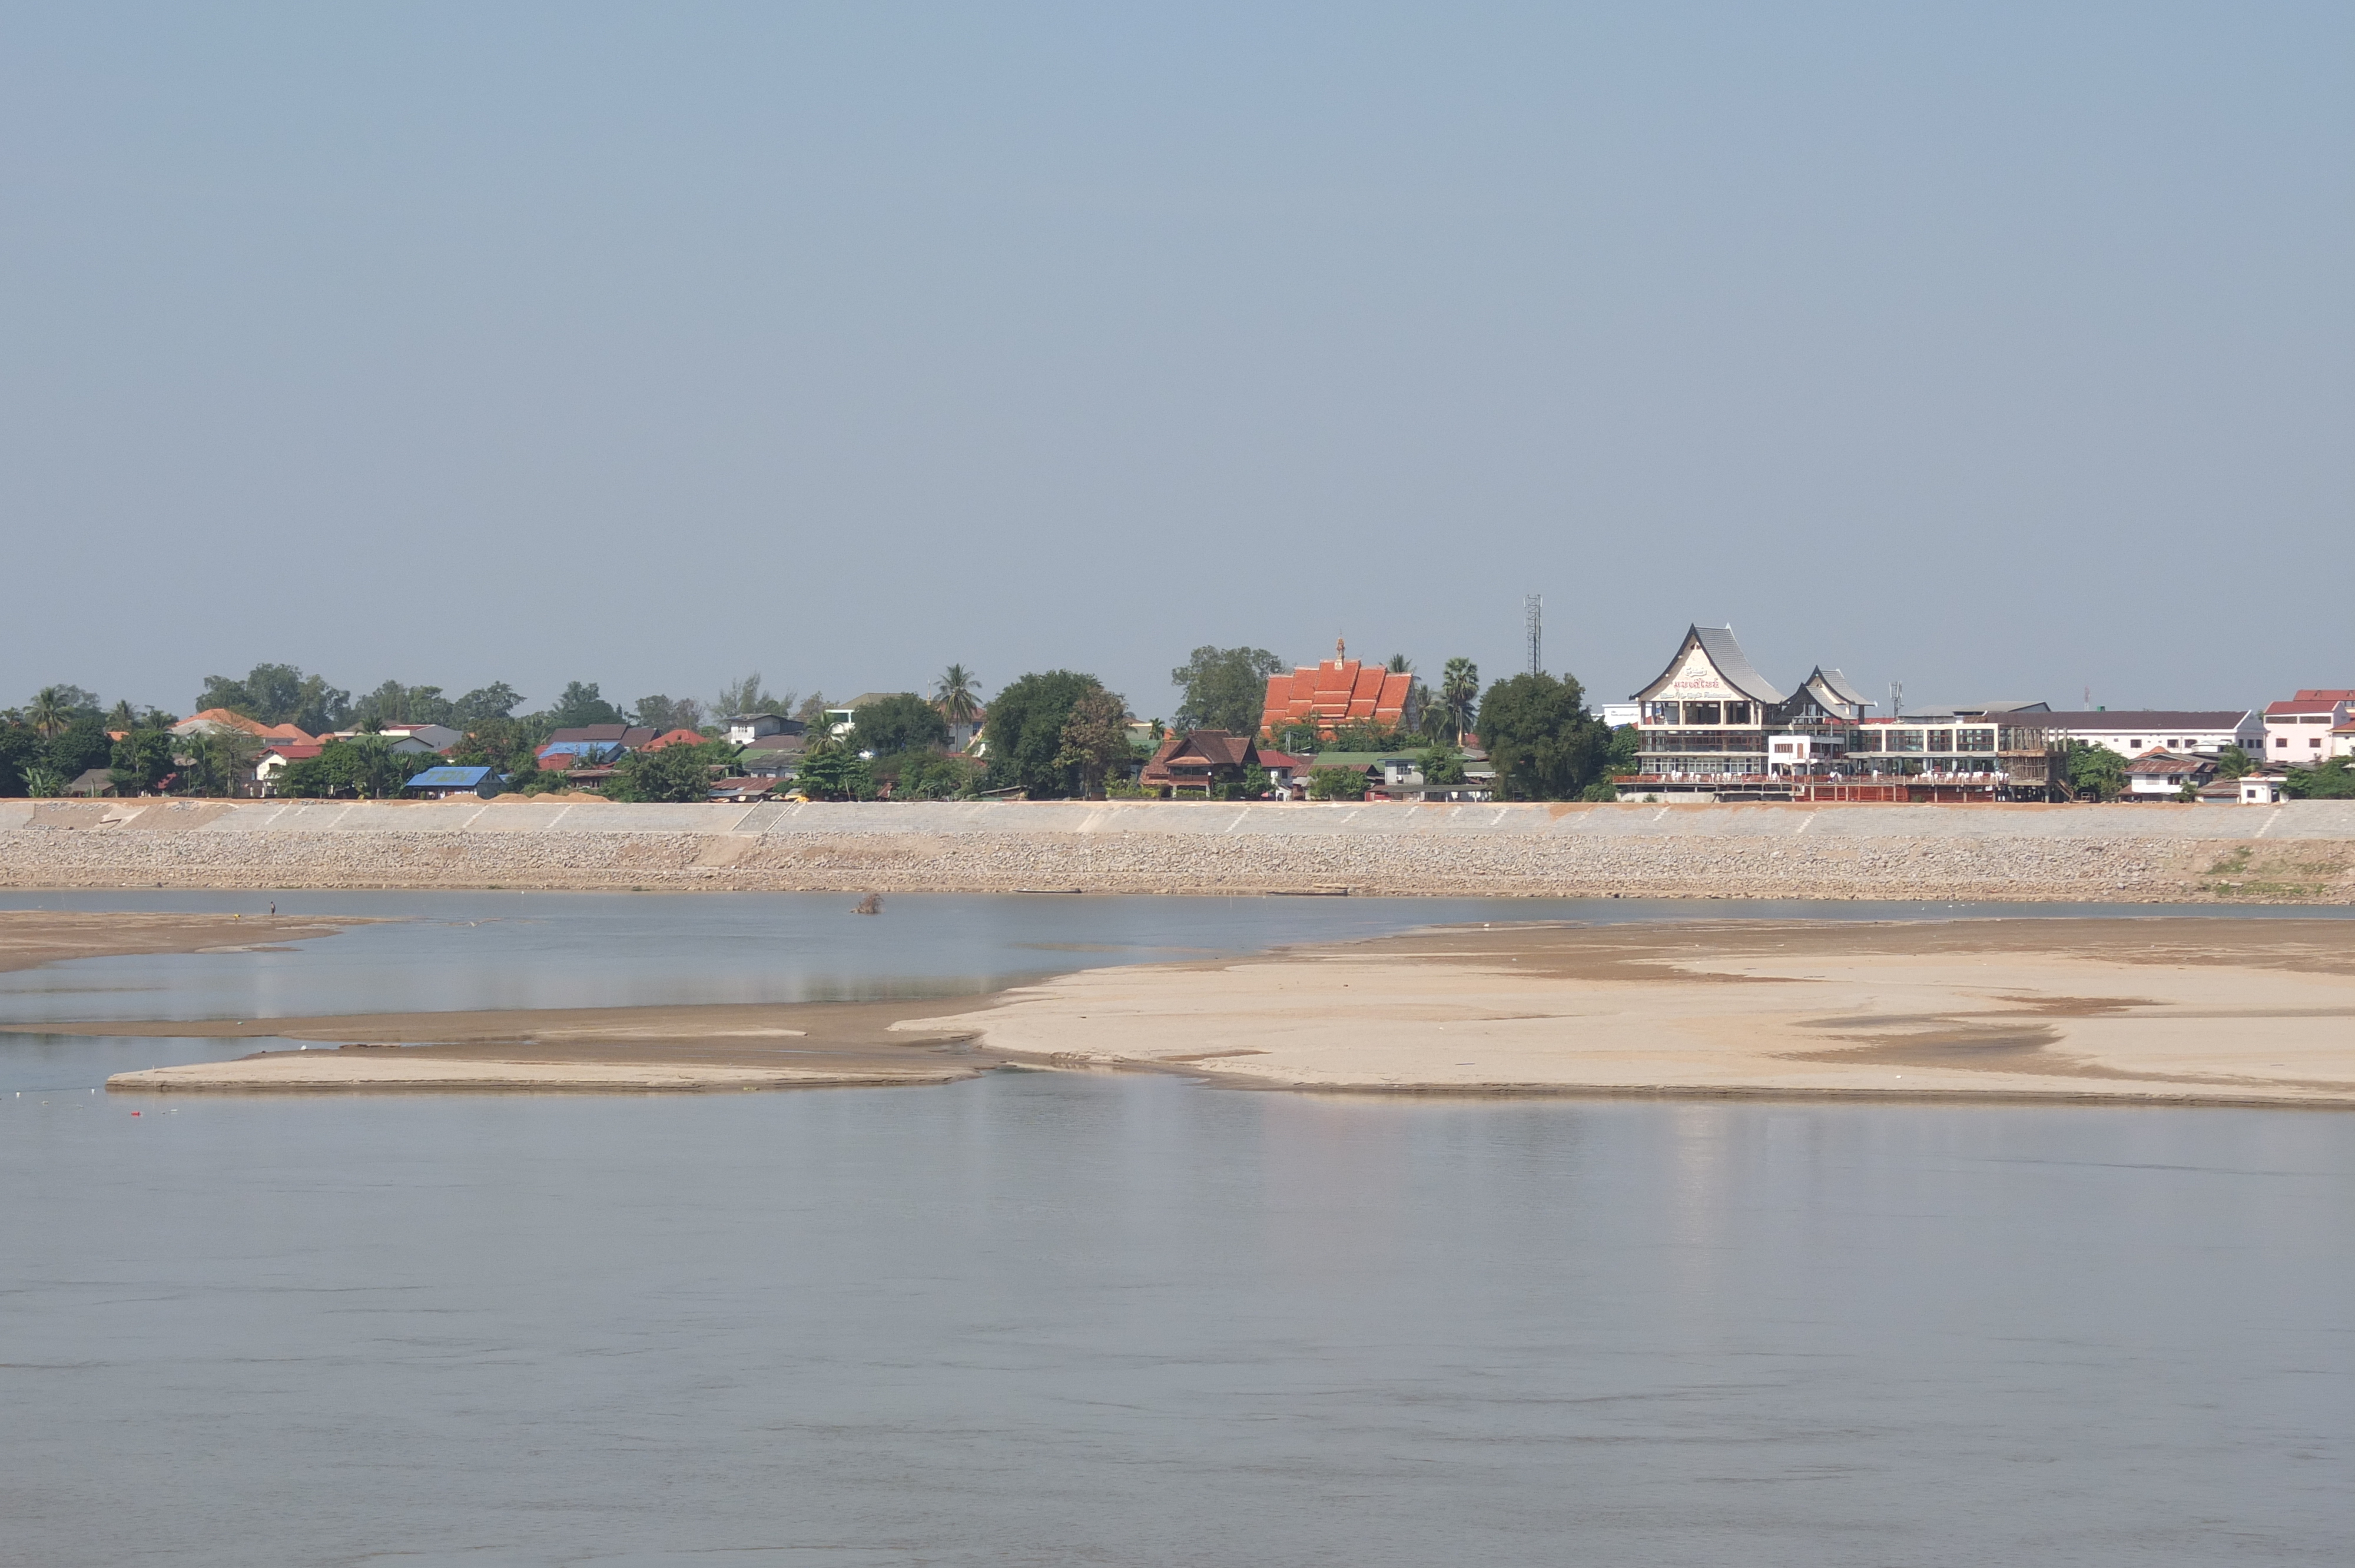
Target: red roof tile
(1337,692)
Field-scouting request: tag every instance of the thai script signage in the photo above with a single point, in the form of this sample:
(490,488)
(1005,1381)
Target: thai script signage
(1697,678)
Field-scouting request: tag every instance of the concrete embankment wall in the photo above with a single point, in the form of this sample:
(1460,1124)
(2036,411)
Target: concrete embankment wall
(2299,851)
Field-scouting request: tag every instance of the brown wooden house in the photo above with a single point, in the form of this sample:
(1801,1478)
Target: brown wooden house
(1196,762)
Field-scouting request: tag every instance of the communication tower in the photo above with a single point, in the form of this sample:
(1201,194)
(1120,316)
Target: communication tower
(1533,611)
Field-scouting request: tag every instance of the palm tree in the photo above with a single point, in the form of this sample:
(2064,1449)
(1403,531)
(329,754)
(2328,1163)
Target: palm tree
(957,696)
(50,712)
(121,717)
(1459,688)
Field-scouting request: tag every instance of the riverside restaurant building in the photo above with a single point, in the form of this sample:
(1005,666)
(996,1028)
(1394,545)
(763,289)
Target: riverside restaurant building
(1712,728)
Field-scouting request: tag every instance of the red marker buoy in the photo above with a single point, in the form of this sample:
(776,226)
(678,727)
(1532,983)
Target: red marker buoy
(134,1113)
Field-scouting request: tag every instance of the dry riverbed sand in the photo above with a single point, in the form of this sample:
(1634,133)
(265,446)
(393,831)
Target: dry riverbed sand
(2217,1011)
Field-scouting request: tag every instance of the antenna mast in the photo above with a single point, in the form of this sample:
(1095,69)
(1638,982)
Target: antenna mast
(1534,612)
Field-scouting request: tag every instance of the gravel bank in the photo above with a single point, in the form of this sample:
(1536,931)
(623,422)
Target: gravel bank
(2298,853)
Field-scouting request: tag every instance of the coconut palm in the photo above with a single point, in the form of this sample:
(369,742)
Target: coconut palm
(957,696)
(51,712)
(1459,689)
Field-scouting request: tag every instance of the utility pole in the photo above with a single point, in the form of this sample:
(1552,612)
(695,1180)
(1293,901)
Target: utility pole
(1896,699)
(1533,611)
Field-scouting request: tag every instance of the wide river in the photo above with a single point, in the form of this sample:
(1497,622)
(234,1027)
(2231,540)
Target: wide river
(1057,1318)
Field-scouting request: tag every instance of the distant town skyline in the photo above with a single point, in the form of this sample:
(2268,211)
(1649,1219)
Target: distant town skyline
(1998,352)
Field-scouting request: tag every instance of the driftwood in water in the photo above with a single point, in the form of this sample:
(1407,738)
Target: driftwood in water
(870,905)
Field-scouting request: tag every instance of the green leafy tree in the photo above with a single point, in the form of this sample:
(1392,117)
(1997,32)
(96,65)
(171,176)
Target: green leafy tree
(1363,734)
(1442,765)
(280,693)
(582,705)
(20,748)
(393,702)
(1024,733)
(364,767)
(306,779)
(1459,691)
(216,762)
(926,776)
(141,760)
(663,714)
(2095,770)
(1544,744)
(1336,784)
(957,695)
(831,771)
(44,783)
(2234,763)
(1095,740)
(495,701)
(83,744)
(674,773)
(1299,739)
(1602,792)
(1225,688)
(900,721)
(748,696)
(1624,755)
(375,770)
(508,745)
(2331,780)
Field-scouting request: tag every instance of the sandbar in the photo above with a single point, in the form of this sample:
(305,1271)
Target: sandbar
(2205,1011)
(30,938)
(732,1046)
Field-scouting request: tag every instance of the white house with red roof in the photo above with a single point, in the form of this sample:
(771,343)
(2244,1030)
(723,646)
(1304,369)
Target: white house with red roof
(2312,726)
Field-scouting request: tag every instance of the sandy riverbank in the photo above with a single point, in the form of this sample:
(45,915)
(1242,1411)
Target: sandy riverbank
(2205,1011)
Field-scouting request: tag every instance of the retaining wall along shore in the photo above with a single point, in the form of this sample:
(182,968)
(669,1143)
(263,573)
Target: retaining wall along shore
(2297,851)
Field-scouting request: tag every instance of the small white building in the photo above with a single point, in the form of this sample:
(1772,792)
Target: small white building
(743,729)
(1802,753)
(2261,789)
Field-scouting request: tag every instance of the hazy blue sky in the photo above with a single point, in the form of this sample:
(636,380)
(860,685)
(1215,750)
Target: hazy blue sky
(2002,350)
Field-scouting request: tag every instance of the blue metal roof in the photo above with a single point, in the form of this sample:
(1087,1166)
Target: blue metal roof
(448,779)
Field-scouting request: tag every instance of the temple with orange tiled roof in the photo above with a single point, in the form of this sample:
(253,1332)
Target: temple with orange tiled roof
(1339,691)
